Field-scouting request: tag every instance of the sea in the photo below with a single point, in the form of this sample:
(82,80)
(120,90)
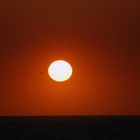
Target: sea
(70,127)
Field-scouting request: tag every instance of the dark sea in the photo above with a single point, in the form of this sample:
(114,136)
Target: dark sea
(70,128)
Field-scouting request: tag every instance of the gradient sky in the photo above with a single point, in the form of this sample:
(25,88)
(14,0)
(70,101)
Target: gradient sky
(99,38)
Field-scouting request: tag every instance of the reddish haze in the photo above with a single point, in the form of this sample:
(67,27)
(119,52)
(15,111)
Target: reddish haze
(99,38)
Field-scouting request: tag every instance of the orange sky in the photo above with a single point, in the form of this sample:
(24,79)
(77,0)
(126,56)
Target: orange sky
(99,39)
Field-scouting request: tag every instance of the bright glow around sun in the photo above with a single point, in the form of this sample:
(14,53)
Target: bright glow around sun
(60,70)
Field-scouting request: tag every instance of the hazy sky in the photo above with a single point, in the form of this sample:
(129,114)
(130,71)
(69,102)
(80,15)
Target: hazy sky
(99,38)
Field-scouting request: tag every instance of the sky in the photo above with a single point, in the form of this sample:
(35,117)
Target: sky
(100,39)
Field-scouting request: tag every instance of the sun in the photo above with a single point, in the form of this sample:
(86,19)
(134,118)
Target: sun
(60,70)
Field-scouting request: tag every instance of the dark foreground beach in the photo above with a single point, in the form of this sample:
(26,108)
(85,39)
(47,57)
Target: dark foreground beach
(70,128)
